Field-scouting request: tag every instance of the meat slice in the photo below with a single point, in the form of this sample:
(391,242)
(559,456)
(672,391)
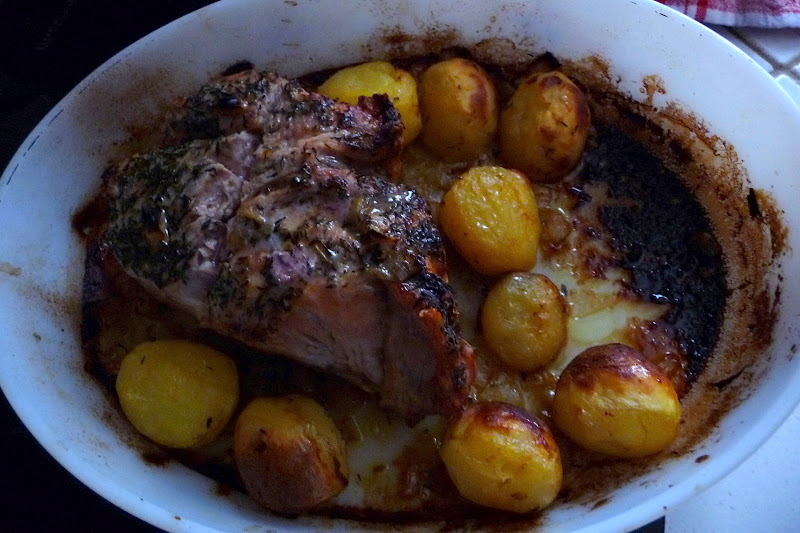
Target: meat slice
(269,217)
(289,117)
(169,211)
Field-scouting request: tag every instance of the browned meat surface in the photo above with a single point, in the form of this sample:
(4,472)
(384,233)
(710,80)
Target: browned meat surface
(290,118)
(267,218)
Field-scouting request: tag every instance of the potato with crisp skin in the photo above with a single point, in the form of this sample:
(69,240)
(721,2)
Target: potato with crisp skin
(503,457)
(490,216)
(544,127)
(612,400)
(459,109)
(378,77)
(289,454)
(524,320)
(178,393)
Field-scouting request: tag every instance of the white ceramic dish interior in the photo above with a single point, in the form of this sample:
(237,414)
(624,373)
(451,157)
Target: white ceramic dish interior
(58,168)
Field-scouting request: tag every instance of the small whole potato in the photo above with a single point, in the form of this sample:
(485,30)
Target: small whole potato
(524,320)
(459,109)
(378,77)
(490,216)
(289,454)
(501,456)
(612,400)
(178,393)
(544,127)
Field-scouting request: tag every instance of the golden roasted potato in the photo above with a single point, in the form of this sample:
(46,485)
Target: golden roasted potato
(490,216)
(612,400)
(459,109)
(289,454)
(544,127)
(503,457)
(524,320)
(378,77)
(178,393)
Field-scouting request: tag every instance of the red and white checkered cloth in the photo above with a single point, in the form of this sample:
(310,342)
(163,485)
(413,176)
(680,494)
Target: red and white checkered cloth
(756,13)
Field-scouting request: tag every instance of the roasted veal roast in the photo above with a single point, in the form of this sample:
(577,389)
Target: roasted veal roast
(270,215)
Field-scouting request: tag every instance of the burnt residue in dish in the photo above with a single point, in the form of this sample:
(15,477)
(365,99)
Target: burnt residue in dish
(746,225)
(663,239)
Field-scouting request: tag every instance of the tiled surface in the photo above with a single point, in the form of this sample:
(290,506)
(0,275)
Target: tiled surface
(779,46)
(776,51)
(735,39)
(762,494)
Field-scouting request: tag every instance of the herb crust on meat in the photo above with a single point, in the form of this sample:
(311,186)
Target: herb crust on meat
(270,216)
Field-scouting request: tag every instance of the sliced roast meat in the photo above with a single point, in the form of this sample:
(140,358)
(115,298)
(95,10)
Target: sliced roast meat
(169,211)
(288,116)
(264,218)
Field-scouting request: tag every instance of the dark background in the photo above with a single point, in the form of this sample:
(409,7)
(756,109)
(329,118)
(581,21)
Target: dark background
(47,48)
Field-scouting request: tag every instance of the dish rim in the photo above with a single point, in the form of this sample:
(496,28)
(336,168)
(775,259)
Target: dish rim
(148,511)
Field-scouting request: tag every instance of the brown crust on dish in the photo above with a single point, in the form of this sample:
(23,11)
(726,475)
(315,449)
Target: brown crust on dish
(712,171)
